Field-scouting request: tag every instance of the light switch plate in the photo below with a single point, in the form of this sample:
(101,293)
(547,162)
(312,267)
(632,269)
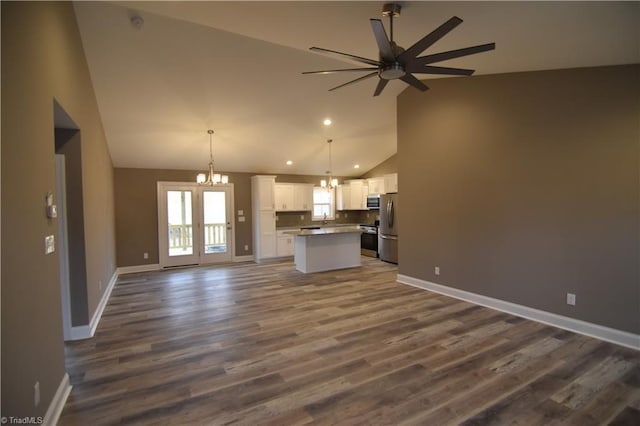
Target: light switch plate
(49,244)
(240,212)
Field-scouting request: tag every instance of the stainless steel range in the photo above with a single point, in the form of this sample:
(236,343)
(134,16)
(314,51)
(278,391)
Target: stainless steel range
(369,240)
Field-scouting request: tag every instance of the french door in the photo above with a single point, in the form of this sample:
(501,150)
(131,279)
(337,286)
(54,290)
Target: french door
(195,224)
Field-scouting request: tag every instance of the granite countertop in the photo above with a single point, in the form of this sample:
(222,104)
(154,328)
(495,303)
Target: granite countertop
(325,231)
(331,225)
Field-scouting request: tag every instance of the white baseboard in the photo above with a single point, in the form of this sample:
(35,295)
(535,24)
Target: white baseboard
(247,258)
(80,332)
(103,302)
(54,410)
(87,331)
(619,337)
(137,268)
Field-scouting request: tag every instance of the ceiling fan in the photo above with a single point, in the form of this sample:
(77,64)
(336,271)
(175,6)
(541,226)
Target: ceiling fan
(398,63)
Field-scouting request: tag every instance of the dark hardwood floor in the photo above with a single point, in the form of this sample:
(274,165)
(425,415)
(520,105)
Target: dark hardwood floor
(265,344)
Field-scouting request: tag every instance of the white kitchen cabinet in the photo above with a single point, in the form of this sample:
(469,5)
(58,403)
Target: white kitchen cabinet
(285,244)
(352,195)
(264,217)
(391,183)
(284,197)
(293,197)
(267,235)
(303,196)
(343,197)
(376,185)
(359,191)
(264,189)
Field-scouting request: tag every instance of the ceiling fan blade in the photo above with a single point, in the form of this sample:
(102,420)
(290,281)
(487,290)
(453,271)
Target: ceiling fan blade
(443,56)
(381,84)
(411,80)
(343,69)
(435,35)
(428,69)
(383,41)
(352,57)
(364,77)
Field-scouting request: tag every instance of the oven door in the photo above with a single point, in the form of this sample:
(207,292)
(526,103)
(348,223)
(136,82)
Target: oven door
(369,244)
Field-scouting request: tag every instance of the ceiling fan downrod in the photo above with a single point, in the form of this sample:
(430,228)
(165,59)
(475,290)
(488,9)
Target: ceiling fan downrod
(391,10)
(391,71)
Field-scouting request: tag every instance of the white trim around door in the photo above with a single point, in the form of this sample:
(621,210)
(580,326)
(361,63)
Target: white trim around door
(190,228)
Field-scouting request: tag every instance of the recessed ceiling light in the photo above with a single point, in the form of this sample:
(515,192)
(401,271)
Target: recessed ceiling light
(327,122)
(289,162)
(356,166)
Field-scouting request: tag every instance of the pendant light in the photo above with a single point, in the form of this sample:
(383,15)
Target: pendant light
(212,178)
(332,182)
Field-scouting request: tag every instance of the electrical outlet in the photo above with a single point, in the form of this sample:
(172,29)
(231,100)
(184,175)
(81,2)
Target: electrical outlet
(145,255)
(436,270)
(301,217)
(246,247)
(36,394)
(571,299)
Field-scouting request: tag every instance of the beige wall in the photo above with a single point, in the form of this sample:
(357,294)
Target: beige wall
(137,210)
(390,165)
(42,60)
(524,187)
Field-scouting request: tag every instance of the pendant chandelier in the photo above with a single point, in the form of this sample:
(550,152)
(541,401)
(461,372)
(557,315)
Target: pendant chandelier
(212,178)
(332,182)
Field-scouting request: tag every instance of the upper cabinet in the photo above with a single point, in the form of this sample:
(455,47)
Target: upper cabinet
(293,197)
(376,185)
(303,196)
(352,195)
(284,196)
(263,192)
(391,183)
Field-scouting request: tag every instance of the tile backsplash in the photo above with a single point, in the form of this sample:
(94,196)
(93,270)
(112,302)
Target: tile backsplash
(288,219)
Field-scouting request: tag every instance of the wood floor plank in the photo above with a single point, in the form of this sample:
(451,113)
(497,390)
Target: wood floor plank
(265,344)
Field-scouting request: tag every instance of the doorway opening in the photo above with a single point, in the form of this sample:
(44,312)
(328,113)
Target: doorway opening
(71,246)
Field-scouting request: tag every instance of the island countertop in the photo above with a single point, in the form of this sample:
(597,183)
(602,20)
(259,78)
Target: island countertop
(324,231)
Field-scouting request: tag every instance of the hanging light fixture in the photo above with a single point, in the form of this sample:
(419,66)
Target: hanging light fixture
(212,178)
(332,182)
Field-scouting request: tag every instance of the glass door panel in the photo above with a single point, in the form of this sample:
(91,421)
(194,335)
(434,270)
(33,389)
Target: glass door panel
(180,224)
(216,225)
(215,222)
(177,242)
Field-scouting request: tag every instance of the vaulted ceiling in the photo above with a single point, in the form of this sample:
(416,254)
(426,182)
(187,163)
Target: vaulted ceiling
(235,67)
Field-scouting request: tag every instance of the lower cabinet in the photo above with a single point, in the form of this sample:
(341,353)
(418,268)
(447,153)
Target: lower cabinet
(285,243)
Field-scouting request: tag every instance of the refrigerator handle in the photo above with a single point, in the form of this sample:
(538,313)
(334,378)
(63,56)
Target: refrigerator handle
(390,214)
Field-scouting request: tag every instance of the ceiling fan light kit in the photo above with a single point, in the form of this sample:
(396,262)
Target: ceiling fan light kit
(397,63)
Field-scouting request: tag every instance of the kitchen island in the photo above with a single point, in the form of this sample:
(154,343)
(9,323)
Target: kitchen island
(326,249)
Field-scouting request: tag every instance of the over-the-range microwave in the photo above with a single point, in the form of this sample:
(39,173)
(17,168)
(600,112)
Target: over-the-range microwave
(373,202)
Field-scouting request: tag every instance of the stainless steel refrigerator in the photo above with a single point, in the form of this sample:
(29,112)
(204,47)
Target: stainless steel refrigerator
(388,230)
